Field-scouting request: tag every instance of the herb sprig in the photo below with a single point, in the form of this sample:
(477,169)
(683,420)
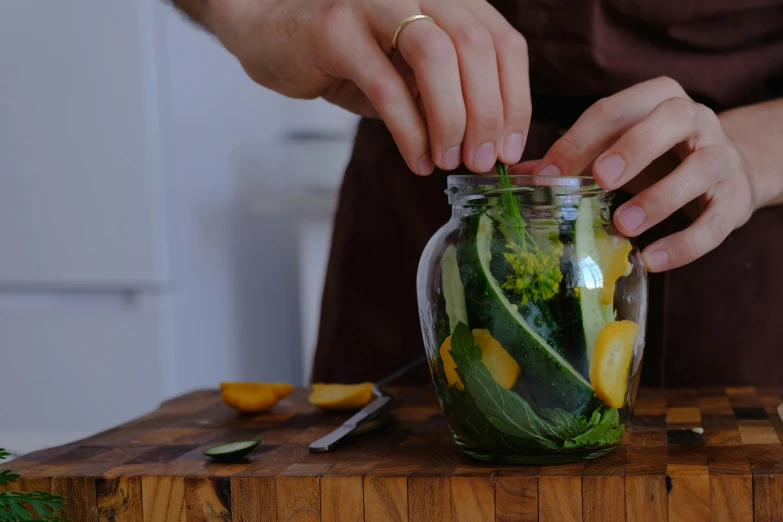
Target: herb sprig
(536,271)
(21,506)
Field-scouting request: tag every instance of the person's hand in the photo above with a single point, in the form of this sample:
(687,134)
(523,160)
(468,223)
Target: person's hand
(656,142)
(468,71)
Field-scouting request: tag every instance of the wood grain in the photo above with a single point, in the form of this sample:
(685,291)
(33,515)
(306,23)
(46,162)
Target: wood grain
(253,499)
(731,498)
(768,494)
(342,499)
(516,496)
(163,499)
(119,499)
(757,432)
(207,499)
(473,499)
(560,498)
(429,498)
(80,496)
(689,497)
(153,468)
(646,499)
(731,485)
(298,499)
(385,499)
(683,416)
(603,498)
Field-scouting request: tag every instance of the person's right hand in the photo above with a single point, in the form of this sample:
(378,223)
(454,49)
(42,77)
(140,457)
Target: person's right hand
(468,71)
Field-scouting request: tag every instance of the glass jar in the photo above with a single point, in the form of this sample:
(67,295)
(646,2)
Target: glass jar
(533,311)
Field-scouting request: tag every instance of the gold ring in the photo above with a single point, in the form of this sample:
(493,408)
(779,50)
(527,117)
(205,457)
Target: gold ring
(407,21)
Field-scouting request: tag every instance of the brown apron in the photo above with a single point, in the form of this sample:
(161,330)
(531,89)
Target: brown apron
(717,321)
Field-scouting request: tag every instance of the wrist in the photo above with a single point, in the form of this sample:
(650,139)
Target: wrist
(196,10)
(231,21)
(765,183)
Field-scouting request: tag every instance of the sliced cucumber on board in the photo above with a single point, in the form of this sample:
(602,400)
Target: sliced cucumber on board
(453,291)
(232,450)
(594,314)
(557,383)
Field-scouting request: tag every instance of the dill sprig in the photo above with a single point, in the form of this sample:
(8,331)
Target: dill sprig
(22,506)
(537,274)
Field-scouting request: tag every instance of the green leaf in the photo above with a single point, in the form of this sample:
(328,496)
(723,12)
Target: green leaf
(462,342)
(23,506)
(565,424)
(6,477)
(489,415)
(467,416)
(503,409)
(602,429)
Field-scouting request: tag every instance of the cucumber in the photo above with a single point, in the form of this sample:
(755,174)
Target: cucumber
(453,291)
(590,278)
(552,381)
(232,450)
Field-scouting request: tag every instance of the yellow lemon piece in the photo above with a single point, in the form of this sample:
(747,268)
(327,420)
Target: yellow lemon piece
(341,396)
(613,259)
(612,360)
(449,366)
(281,389)
(248,397)
(503,368)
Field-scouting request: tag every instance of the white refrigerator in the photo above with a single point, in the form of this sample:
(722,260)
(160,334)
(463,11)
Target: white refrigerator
(84,271)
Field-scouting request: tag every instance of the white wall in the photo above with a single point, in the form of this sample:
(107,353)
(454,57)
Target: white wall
(252,214)
(226,299)
(236,301)
(81,218)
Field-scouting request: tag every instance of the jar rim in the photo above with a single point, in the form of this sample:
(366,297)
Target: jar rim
(530,180)
(473,190)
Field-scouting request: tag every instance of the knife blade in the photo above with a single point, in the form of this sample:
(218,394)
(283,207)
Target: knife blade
(373,416)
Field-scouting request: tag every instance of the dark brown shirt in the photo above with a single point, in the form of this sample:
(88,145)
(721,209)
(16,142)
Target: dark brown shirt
(717,321)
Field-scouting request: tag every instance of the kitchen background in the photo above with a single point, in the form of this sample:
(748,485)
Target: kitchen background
(164,222)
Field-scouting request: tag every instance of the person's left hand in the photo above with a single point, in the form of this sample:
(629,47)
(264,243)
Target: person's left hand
(654,141)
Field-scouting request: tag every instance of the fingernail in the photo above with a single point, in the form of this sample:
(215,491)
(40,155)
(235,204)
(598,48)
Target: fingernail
(512,147)
(426,167)
(656,260)
(610,168)
(631,217)
(484,157)
(549,170)
(451,158)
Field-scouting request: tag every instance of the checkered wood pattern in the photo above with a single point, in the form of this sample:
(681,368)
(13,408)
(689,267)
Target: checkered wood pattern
(153,470)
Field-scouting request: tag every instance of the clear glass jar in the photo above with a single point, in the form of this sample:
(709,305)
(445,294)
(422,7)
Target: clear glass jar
(533,311)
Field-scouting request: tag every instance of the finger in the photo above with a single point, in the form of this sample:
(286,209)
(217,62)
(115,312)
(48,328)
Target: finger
(410,79)
(603,123)
(700,172)
(350,97)
(511,50)
(478,68)
(525,168)
(673,121)
(357,56)
(431,55)
(681,248)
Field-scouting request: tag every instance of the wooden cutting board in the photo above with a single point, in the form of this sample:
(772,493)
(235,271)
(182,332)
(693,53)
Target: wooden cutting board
(153,470)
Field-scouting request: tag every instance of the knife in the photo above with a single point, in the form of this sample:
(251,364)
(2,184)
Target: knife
(373,416)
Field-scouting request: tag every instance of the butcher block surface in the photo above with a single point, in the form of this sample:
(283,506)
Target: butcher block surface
(152,469)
